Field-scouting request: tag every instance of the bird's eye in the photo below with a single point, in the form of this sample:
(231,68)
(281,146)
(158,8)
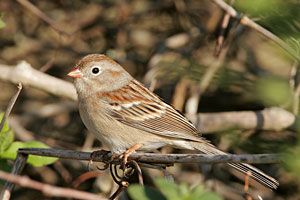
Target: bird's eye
(96,70)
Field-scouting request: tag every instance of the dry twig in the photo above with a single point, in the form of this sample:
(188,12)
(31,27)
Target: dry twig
(221,37)
(84,177)
(18,167)
(10,106)
(47,189)
(20,162)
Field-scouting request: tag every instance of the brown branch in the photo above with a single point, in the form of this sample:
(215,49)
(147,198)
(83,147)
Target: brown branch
(18,167)
(47,189)
(152,158)
(246,21)
(10,106)
(221,37)
(27,75)
(85,176)
(136,159)
(268,119)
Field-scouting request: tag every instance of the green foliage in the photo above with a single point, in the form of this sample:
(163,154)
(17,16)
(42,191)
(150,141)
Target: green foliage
(290,156)
(292,161)
(36,161)
(259,7)
(273,91)
(9,148)
(4,166)
(6,136)
(138,192)
(2,23)
(281,16)
(170,191)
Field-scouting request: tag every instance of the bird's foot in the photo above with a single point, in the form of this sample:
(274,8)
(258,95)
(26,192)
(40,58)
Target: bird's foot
(102,155)
(124,156)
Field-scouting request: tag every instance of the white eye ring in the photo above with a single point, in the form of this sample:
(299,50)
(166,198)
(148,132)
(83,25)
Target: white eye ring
(96,70)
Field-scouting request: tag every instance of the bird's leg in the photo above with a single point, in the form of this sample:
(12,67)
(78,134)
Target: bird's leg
(128,152)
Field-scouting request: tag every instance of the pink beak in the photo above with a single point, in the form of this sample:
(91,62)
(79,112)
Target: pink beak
(75,73)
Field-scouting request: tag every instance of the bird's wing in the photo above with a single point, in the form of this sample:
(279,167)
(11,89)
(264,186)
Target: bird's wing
(136,106)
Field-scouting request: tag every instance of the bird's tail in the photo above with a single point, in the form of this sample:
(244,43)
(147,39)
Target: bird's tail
(253,172)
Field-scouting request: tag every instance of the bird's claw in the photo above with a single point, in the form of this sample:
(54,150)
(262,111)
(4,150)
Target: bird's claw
(97,154)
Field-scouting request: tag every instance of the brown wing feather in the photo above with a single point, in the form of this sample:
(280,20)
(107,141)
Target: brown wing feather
(136,106)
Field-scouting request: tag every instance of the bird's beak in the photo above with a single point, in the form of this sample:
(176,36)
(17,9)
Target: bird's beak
(75,73)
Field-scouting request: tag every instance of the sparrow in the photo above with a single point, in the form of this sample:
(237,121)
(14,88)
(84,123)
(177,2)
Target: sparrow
(125,116)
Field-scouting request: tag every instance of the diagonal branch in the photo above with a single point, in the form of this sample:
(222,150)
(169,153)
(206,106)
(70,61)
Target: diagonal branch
(10,106)
(246,21)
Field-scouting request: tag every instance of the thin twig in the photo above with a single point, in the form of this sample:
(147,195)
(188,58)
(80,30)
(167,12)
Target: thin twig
(119,190)
(221,37)
(86,176)
(47,189)
(35,10)
(138,171)
(48,65)
(250,23)
(10,106)
(156,158)
(18,167)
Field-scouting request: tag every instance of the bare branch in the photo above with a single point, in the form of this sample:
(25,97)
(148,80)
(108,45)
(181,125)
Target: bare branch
(153,158)
(17,169)
(10,106)
(268,119)
(47,189)
(27,75)
(250,23)
(221,37)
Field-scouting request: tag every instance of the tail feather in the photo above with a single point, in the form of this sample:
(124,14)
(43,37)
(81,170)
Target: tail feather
(255,173)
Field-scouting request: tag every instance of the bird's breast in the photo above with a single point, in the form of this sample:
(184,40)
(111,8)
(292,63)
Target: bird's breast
(116,136)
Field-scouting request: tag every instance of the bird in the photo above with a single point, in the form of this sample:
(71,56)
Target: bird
(127,117)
